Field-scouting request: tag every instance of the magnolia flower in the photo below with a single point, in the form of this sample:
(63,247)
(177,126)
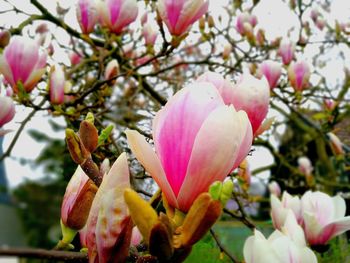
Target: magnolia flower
(87,15)
(274,188)
(279,209)
(117,14)
(149,34)
(323,217)
(249,94)
(245,23)
(56,85)
(272,72)
(336,144)
(305,166)
(253,96)
(22,63)
(299,75)
(109,225)
(286,51)
(7,110)
(112,69)
(278,248)
(180,15)
(74,58)
(77,200)
(227,51)
(198,140)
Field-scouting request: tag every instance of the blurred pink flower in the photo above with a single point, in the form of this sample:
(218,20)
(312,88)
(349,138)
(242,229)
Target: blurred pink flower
(87,15)
(180,15)
(252,96)
(305,166)
(299,75)
(22,62)
(323,217)
(286,51)
(56,85)
(112,69)
(198,140)
(274,188)
(272,72)
(117,14)
(7,110)
(149,34)
(336,144)
(74,58)
(245,23)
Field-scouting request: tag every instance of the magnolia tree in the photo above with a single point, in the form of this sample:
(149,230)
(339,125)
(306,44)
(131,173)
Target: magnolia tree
(164,104)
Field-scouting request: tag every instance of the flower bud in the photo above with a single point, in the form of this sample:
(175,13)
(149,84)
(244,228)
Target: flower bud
(112,69)
(4,38)
(7,110)
(56,85)
(77,200)
(272,72)
(88,135)
(274,188)
(87,15)
(76,147)
(286,51)
(299,75)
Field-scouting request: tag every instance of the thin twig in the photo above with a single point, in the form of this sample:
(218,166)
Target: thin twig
(65,256)
(222,247)
(19,131)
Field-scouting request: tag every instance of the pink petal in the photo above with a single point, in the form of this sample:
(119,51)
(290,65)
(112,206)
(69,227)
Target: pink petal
(177,128)
(334,229)
(190,13)
(112,219)
(214,152)
(147,157)
(21,55)
(6,71)
(118,176)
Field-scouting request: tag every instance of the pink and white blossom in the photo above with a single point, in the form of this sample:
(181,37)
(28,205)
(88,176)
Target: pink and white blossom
(249,94)
(279,209)
(22,63)
(245,23)
(274,188)
(112,69)
(149,34)
(278,248)
(117,14)
(57,82)
(272,71)
(323,217)
(87,15)
(180,15)
(198,140)
(299,75)
(7,110)
(305,166)
(286,51)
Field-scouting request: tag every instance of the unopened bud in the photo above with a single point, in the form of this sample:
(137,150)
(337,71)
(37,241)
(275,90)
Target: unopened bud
(76,147)
(88,135)
(211,22)
(4,38)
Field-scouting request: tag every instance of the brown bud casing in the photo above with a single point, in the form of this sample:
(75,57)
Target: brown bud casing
(88,135)
(202,215)
(81,208)
(76,147)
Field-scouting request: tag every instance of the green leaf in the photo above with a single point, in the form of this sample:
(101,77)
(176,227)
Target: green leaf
(105,134)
